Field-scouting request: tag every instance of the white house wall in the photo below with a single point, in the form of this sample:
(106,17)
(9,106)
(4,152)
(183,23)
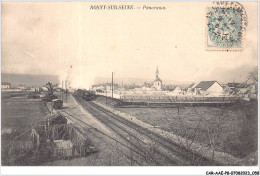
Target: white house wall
(5,86)
(215,89)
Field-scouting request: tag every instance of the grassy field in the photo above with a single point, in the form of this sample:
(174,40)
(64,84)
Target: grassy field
(18,115)
(10,94)
(21,113)
(232,129)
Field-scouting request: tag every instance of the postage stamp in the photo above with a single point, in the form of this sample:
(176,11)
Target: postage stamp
(225,26)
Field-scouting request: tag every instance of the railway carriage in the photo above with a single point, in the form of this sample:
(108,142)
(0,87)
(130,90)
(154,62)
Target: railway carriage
(57,104)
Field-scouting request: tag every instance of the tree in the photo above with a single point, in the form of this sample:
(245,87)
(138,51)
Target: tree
(253,76)
(253,81)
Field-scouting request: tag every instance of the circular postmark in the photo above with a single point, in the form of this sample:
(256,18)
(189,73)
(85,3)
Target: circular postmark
(235,5)
(226,24)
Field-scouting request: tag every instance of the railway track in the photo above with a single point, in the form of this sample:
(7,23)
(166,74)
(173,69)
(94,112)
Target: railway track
(89,129)
(165,153)
(151,155)
(135,148)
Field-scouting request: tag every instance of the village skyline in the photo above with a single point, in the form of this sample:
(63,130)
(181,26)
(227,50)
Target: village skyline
(70,44)
(28,80)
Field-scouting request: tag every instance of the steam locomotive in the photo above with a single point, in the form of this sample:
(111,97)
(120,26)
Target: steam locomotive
(86,95)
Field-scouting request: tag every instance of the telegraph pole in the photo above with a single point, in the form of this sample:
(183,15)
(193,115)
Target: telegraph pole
(112,85)
(62,90)
(66,89)
(106,97)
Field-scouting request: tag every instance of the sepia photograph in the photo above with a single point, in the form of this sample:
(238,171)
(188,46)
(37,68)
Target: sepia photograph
(129,83)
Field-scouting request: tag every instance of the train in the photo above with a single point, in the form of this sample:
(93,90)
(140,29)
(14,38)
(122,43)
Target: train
(57,103)
(86,95)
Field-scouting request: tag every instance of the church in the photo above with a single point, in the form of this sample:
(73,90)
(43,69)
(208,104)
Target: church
(157,84)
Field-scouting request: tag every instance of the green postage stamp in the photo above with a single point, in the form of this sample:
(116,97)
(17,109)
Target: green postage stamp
(225,26)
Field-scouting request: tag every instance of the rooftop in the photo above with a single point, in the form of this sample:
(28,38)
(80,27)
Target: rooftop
(238,85)
(204,85)
(5,83)
(158,79)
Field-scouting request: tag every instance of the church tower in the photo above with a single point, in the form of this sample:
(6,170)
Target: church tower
(157,73)
(157,84)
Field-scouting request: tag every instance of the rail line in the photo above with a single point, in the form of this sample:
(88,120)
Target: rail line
(96,130)
(139,150)
(190,158)
(184,156)
(155,156)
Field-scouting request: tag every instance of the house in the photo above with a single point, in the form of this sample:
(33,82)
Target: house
(21,87)
(5,85)
(235,91)
(244,90)
(108,87)
(44,88)
(240,86)
(211,88)
(177,90)
(227,90)
(232,85)
(36,89)
(191,88)
(144,89)
(253,91)
(167,87)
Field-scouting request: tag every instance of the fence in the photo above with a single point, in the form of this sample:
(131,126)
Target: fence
(172,99)
(45,143)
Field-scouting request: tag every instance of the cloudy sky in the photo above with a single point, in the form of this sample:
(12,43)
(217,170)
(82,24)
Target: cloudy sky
(67,38)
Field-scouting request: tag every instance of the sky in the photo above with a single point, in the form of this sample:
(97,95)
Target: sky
(76,43)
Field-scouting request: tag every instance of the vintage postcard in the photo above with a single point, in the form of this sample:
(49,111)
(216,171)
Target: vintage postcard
(130,84)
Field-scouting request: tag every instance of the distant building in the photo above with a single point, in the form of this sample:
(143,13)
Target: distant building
(227,90)
(190,89)
(244,90)
(144,88)
(242,87)
(253,91)
(108,87)
(21,87)
(233,85)
(157,84)
(209,88)
(5,85)
(44,88)
(177,90)
(235,91)
(98,88)
(36,89)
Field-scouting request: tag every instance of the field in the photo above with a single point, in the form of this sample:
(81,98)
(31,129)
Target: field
(21,113)
(10,94)
(232,129)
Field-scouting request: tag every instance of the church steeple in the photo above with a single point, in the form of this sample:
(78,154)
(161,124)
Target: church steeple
(157,84)
(157,72)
